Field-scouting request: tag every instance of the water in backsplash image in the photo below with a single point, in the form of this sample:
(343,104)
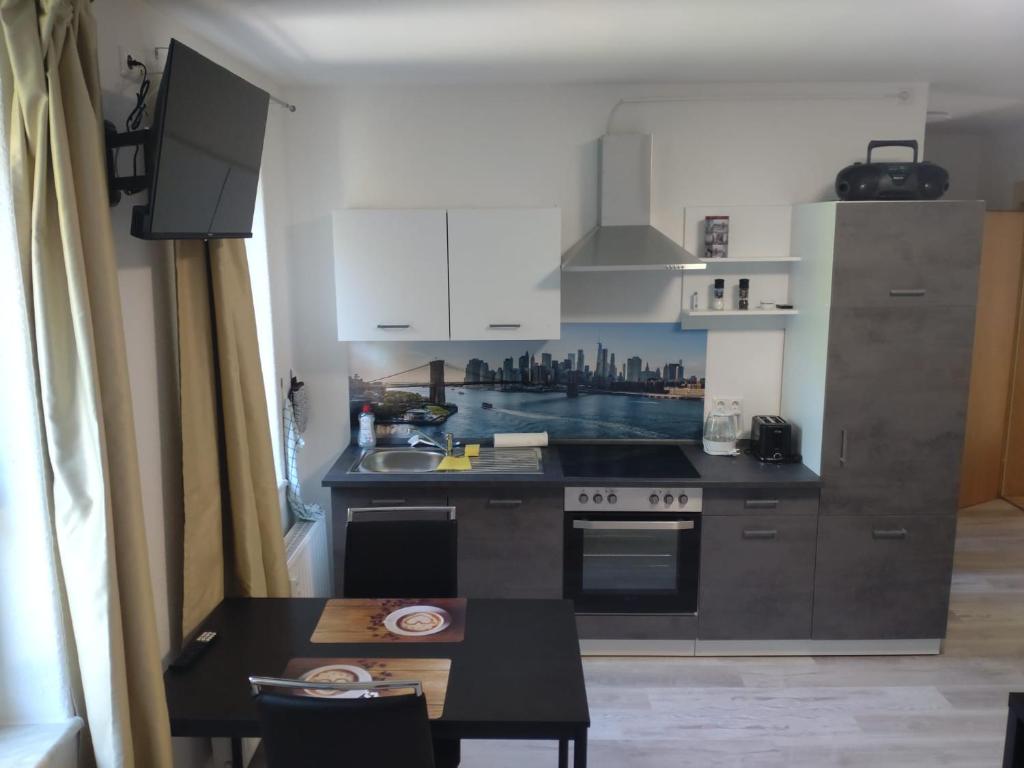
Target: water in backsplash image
(621,381)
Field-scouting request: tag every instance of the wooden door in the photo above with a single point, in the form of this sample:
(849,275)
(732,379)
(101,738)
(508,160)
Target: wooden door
(992,365)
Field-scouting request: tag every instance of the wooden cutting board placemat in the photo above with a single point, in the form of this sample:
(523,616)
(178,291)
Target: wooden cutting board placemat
(358,620)
(431,673)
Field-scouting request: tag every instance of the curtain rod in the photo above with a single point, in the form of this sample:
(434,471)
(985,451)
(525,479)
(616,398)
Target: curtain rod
(282,102)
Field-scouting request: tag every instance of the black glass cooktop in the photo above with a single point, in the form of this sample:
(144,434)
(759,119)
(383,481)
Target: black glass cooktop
(625,461)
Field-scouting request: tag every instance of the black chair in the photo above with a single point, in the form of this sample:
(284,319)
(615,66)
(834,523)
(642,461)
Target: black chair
(389,555)
(301,731)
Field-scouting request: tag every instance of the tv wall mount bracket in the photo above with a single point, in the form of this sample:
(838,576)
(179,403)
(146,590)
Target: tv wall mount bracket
(116,185)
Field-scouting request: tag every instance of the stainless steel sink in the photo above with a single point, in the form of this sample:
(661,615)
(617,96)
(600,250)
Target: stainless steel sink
(399,460)
(518,461)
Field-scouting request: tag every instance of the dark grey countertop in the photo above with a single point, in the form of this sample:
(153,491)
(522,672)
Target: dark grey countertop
(741,471)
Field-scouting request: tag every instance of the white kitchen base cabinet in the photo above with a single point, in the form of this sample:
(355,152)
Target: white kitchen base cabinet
(391,274)
(504,269)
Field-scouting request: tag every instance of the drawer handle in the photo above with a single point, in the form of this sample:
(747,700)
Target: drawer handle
(386,502)
(842,449)
(760,534)
(353,512)
(392,326)
(505,325)
(504,502)
(889,533)
(907,291)
(761,503)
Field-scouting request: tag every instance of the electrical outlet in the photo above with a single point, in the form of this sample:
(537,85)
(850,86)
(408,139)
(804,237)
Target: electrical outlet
(130,73)
(727,404)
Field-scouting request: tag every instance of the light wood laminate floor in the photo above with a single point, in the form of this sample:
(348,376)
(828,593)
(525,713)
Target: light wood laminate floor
(946,710)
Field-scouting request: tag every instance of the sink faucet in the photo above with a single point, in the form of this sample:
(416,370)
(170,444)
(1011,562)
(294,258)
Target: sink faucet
(449,442)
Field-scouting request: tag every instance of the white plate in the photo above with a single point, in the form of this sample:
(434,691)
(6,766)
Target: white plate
(361,675)
(392,619)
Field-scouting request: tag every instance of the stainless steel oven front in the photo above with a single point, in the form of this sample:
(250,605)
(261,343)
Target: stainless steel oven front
(632,550)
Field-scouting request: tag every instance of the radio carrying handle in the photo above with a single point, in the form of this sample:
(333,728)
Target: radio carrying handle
(909,143)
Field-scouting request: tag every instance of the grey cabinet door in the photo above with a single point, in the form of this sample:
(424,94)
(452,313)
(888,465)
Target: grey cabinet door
(883,577)
(757,576)
(900,254)
(343,499)
(895,409)
(510,543)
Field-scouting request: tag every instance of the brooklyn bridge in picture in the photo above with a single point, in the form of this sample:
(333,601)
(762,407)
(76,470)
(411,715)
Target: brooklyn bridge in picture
(609,381)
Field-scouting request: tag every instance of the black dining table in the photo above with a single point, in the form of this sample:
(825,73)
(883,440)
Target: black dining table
(516,675)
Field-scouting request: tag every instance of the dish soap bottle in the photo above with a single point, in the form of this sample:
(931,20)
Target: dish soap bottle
(367,433)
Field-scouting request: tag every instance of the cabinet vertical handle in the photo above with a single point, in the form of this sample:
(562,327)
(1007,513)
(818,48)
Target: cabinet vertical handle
(907,291)
(842,448)
(750,533)
(884,533)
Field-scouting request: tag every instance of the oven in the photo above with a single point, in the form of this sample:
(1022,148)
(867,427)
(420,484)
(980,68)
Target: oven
(632,550)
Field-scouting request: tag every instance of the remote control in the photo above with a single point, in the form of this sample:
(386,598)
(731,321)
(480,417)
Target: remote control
(193,650)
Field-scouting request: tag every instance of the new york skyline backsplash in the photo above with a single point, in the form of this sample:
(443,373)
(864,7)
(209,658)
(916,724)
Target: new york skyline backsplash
(606,380)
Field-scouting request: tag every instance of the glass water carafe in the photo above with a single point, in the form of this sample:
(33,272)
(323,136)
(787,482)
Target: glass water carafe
(720,433)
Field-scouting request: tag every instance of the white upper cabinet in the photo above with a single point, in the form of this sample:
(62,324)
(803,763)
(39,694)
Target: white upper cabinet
(504,272)
(391,275)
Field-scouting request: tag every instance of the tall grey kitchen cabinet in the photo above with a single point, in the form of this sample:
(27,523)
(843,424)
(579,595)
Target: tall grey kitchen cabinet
(875,380)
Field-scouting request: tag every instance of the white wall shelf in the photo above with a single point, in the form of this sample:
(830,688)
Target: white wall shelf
(731,260)
(739,312)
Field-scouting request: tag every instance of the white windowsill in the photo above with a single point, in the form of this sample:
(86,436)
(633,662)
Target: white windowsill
(50,745)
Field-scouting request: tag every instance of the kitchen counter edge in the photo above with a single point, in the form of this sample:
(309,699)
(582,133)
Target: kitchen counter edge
(741,471)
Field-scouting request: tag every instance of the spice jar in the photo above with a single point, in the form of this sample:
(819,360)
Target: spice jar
(744,302)
(718,301)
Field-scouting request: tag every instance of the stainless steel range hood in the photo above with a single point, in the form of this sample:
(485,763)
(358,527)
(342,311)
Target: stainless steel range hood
(625,241)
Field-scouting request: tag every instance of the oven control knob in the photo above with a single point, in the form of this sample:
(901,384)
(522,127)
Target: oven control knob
(612,498)
(598,498)
(683,498)
(584,498)
(668,498)
(654,498)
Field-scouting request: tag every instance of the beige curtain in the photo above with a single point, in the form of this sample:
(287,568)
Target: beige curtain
(66,253)
(233,540)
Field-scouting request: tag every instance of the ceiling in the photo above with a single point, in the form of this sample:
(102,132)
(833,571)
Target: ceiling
(959,46)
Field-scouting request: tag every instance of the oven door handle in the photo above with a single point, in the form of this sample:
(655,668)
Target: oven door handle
(633,525)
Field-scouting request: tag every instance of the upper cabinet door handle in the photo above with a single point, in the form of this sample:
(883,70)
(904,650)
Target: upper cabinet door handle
(842,449)
(505,325)
(392,326)
(907,291)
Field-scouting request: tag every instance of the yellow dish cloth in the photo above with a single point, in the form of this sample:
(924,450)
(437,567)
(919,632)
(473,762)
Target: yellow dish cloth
(454,464)
(472,450)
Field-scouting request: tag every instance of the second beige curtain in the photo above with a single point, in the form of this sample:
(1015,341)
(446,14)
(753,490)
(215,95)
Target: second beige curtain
(233,539)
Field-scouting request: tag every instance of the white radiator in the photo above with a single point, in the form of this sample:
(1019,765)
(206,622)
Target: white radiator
(305,547)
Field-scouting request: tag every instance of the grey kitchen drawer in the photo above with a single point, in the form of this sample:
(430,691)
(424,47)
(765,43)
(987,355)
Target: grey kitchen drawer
(510,543)
(757,576)
(907,254)
(883,577)
(760,501)
(636,626)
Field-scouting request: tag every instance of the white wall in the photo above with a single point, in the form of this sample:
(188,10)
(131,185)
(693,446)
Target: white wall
(984,161)
(146,278)
(395,146)
(961,155)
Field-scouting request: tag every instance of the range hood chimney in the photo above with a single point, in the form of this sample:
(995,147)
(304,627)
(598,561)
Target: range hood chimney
(625,241)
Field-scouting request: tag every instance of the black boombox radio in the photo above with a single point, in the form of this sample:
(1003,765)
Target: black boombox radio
(892,181)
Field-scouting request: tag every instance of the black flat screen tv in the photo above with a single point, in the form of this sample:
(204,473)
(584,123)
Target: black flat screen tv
(202,152)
